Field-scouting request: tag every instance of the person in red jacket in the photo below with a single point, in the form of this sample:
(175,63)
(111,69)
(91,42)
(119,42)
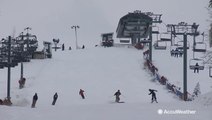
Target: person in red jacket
(81,93)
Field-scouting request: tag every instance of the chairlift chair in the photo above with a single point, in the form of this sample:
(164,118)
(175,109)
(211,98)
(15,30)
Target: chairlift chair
(165,36)
(192,64)
(180,45)
(200,47)
(210,71)
(159,46)
(174,49)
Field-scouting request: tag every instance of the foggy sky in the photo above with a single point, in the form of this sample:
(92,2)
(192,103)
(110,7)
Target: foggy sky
(53,18)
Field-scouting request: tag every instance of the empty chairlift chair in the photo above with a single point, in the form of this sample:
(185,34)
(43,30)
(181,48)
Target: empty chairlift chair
(180,45)
(200,47)
(165,37)
(160,45)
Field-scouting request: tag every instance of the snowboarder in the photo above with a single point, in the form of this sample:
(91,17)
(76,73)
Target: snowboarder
(152,92)
(55,98)
(117,94)
(34,100)
(81,93)
(196,68)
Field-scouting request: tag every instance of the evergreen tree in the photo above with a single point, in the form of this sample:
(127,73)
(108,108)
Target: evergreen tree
(196,90)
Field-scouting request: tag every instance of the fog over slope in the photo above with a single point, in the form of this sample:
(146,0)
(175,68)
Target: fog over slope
(53,19)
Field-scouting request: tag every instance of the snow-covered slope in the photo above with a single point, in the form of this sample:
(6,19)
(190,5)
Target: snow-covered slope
(100,72)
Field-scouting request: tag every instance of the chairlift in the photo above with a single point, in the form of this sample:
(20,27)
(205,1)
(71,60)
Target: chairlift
(165,36)
(193,64)
(160,45)
(200,47)
(155,32)
(180,45)
(175,51)
(145,41)
(210,71)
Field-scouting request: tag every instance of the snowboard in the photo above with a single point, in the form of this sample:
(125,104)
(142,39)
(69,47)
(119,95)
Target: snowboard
(117,102)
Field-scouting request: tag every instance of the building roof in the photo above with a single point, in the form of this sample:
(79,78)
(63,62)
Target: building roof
(135,23)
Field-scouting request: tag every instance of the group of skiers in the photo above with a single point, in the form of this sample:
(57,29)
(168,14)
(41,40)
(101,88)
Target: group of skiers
(55,96)
(63,47)
(152,92)
(81,93)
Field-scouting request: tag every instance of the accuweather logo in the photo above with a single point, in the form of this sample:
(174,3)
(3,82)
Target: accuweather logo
(173,112)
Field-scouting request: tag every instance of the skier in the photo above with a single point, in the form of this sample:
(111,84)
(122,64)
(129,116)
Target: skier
(63,47)
(34,100)
(117,94)
(196,68)
(70,48)
(55,98)
(22,82)
(153,95)
(83,47)
(81,93)
(176,52)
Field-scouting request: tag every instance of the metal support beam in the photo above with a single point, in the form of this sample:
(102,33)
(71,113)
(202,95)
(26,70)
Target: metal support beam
(185,67)
(9,70)
(22,69)
(150,44)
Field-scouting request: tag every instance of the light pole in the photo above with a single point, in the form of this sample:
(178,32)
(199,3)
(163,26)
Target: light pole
(75,28)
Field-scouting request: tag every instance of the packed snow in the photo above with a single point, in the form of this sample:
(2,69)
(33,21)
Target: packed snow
(100,72)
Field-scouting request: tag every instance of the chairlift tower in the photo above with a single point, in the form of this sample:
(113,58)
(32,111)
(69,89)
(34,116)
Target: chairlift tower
(184,29)
(8,61)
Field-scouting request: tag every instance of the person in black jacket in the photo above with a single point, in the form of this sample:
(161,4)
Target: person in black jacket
(117,94)
(81,93)
(34,100)
(196,68)
(152,92)
(55,98)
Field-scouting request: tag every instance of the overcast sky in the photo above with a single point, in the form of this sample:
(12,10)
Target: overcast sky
(53,18)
